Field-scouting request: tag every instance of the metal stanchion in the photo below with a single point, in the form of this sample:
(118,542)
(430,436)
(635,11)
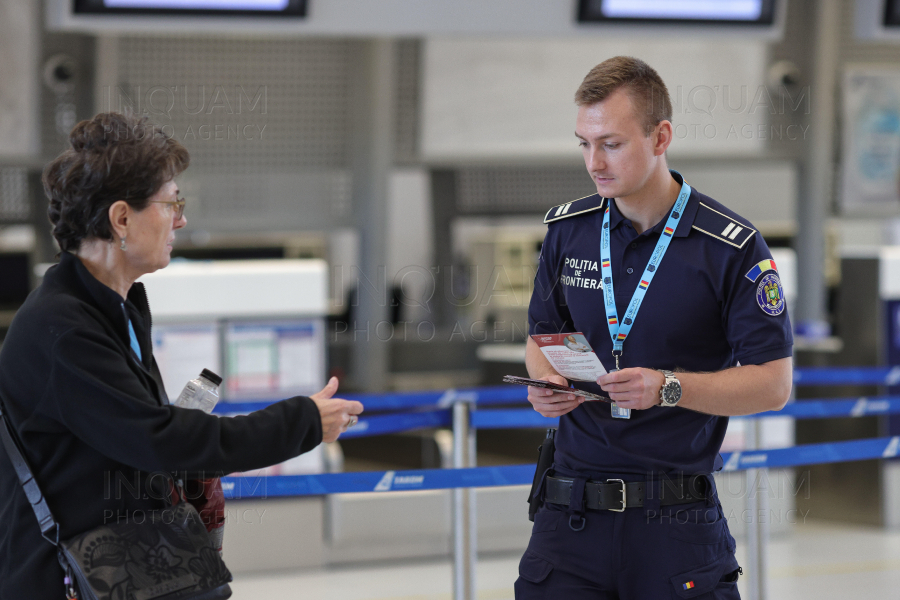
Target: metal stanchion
(762,526)
(752,509)
(757,504)
(464,532)
(473,513)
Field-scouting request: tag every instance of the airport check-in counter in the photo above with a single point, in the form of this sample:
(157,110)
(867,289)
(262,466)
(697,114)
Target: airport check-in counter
(259,324)
(230,316)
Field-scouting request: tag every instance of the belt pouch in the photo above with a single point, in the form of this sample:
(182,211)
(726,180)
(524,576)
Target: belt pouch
(544,465)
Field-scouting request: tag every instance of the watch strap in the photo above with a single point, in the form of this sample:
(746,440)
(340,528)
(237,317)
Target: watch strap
(670,378)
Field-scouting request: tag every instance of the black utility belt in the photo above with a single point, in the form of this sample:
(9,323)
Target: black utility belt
(617,495)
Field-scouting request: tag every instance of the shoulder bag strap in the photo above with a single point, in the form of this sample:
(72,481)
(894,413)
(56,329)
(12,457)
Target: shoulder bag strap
(49,526)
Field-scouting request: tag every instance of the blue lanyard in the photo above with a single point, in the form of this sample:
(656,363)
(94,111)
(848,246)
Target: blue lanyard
(134,341)
(619,331)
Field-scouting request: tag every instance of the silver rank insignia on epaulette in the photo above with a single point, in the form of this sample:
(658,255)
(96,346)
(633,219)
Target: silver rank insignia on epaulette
(575,207)
(722,227)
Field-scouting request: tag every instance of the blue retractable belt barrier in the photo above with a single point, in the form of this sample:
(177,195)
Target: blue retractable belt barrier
(377,424)
(505,394)
(384,424)
(513,418)
(374,481)
(812,454)
(889,376)
(438,479)
(804,409)
(838,407)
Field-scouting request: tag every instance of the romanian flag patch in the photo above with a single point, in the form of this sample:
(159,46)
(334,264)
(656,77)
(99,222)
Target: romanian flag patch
(604,264)
(612,320)
(760,268)
(688,585)
(644,284)
(668,231)
(621,336)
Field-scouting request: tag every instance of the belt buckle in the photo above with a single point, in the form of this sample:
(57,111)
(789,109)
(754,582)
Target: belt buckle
(624,496)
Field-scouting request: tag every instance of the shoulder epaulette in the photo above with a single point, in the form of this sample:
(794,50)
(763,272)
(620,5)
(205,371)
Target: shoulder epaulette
(575,207)
(722,227)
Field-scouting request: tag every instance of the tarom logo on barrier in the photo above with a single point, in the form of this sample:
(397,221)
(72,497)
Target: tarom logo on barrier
(385,483)
(390,481)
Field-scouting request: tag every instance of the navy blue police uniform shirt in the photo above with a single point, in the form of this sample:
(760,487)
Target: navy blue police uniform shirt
(715,302)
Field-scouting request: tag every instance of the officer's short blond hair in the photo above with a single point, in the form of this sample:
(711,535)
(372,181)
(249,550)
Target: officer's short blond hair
(646,88)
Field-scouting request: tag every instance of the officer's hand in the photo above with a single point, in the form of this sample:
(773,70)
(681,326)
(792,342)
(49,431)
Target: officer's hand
(337,415)
(550,403)
(633,388)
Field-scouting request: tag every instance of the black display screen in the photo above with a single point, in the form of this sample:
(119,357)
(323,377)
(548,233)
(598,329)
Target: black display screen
(892,13)
(728,12)
(15,278)
(287,8)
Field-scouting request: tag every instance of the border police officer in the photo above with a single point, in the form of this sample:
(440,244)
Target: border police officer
(682,302)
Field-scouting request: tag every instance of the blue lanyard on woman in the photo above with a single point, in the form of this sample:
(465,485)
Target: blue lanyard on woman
(619,331)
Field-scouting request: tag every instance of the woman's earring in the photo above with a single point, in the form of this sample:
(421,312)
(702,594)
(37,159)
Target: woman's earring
(124,246)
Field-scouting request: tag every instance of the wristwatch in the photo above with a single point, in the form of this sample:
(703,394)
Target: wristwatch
(670,392)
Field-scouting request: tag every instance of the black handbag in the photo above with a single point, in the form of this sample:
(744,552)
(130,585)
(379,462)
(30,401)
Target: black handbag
(157,554)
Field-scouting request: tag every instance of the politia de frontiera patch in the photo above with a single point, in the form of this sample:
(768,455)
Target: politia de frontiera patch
(770,295)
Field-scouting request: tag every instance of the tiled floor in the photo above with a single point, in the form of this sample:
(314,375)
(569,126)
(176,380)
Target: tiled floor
(817,561)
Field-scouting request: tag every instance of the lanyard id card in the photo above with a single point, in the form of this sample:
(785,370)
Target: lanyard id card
(619,331)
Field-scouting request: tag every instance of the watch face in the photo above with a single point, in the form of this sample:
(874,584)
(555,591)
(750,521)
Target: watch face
(671,393)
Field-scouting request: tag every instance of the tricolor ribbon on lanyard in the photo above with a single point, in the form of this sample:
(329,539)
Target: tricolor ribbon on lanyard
(619,331)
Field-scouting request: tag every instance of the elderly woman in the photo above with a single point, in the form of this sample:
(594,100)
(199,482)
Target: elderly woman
(78,381)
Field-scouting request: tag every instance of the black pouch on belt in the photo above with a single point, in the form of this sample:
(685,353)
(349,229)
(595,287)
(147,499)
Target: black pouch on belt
(545,461)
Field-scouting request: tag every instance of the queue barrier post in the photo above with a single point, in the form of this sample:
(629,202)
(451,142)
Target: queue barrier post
(756,504)
(465,546)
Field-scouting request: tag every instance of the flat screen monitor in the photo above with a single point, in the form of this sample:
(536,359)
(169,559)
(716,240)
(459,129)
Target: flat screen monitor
(729,12)
(286,8)
(892,13)
(15,280)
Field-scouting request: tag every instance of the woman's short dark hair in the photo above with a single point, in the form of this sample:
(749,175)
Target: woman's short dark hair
(112,157)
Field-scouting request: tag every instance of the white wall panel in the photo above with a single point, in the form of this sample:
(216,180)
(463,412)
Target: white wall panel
(764,192)
(18,78)
(514,98)
(192,290)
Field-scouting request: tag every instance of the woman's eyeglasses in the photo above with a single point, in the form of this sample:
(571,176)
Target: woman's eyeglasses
(178,205)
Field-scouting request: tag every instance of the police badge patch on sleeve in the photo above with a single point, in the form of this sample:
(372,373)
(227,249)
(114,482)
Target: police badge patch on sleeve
(770,295)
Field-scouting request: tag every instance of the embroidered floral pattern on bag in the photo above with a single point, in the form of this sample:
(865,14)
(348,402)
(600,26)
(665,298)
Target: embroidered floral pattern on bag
(105,551)
(208,568)
(132,559)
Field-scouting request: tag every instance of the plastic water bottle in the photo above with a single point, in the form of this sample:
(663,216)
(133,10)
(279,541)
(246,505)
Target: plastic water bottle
(201,392)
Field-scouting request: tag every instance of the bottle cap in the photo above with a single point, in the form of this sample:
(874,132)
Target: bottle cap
(207,374)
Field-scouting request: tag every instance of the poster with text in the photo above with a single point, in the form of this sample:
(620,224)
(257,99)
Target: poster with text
(870,170)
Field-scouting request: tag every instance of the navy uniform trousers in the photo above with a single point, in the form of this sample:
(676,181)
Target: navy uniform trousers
(649,553)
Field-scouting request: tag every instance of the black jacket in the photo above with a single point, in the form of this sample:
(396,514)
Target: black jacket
(97,426)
